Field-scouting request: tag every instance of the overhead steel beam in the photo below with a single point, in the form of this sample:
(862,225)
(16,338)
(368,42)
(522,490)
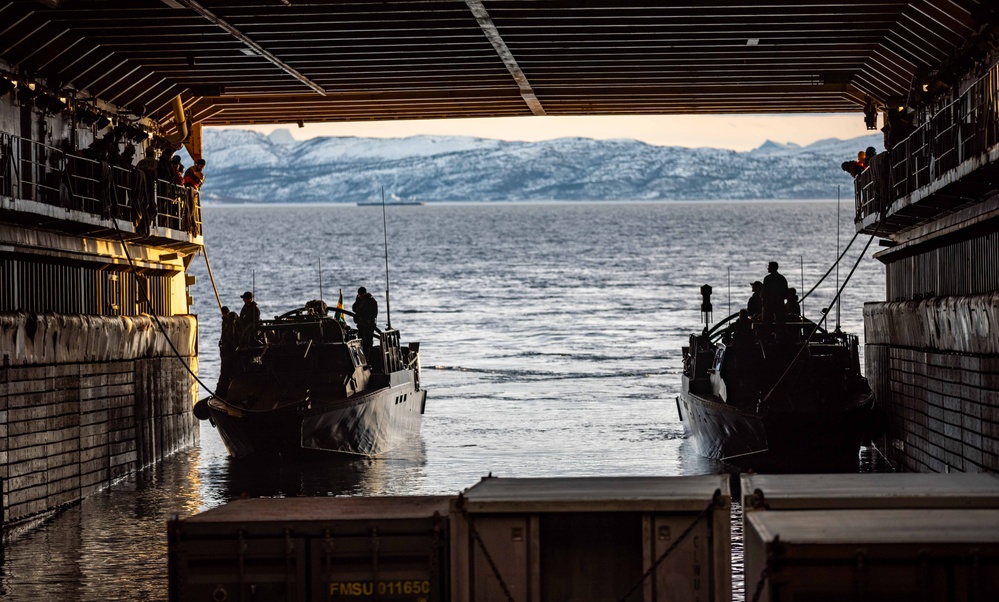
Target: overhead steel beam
(492,34)
(204,12)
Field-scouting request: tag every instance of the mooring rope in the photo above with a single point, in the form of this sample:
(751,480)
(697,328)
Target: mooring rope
(211,277)
(834,300)
(145,298)
(831,268)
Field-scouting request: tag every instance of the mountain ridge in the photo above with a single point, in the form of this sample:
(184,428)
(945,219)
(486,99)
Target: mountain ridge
(250,167)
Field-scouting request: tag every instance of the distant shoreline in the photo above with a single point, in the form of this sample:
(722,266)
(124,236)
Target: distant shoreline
(211,203)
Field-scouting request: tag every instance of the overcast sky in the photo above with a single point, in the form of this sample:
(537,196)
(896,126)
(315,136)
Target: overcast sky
(737,132)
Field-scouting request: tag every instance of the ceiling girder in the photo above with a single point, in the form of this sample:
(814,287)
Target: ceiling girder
(449,58)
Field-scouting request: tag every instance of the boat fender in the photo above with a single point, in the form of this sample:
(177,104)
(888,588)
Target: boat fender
(201,410)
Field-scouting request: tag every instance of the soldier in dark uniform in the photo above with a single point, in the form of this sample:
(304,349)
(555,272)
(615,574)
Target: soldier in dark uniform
(755,305)
(774,293)
(365,311)
(227,351)
(249,318)
(793,307)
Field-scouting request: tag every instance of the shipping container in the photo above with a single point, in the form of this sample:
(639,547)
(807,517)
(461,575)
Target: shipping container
(863,491)
(391,549)
(869,491)
(873,555)
(650,539)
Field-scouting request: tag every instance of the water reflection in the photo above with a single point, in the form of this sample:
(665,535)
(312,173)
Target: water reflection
(551,340)
(328,475)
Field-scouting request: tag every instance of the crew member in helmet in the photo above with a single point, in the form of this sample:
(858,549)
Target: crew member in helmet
(249,318)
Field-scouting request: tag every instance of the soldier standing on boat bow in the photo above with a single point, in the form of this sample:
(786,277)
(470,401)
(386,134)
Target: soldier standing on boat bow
(249,318)
(755,304)
(227,351)
(774,293)
(365,311)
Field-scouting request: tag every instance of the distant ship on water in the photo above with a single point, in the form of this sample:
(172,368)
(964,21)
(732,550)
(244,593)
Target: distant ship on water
(391,204)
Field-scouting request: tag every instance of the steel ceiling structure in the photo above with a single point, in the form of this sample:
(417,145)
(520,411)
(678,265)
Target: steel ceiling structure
(266,61)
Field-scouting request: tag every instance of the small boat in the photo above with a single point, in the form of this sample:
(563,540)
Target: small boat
(776,397)
(305,384)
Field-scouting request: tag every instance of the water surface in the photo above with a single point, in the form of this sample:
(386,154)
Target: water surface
(550,341)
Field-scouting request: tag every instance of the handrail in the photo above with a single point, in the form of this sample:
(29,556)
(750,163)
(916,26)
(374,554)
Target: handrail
(966,127)
(34,171)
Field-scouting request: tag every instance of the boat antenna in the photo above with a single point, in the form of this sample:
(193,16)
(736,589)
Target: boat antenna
(388,305)
(253,284)
(730,290)
(838,300)
(320,279)
(801,259)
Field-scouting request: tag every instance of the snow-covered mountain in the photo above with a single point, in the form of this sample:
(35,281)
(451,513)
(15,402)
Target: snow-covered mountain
(246,166)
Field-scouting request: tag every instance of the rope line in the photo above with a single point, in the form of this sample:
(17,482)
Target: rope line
(145,298)
(212,277)
(831,268)
(834,300)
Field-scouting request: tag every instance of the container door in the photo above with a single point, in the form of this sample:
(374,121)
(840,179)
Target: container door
(686,575)
(508,541)
(240,568)
(591,556)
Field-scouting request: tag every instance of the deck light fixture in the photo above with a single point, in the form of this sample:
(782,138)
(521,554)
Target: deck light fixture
(6,86)
(753,42)
(50,104)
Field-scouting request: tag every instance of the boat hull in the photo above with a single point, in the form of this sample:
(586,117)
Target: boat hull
(818,441)
(367,424)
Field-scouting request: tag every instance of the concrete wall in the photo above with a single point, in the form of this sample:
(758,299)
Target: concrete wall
(85,400)
(934,365)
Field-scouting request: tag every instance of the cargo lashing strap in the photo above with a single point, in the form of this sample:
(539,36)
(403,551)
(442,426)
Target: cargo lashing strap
(765,573)
(715,501)
(482,546)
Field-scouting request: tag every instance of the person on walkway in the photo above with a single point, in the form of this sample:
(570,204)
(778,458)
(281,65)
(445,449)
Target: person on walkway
(249,319)
(365,310)
(127,156)
(144,207)
(148,163)
(227,351)
(194,177)
(755,304)
(869,155)
(164,167)
(178,170)
(774,293)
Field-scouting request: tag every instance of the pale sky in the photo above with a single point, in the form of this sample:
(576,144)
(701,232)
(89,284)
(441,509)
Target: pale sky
(736,132)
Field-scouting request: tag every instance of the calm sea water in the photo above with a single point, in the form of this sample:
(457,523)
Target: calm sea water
(550,341)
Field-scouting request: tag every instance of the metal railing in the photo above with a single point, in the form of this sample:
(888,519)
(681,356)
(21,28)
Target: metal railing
(965,128)
(34,171)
